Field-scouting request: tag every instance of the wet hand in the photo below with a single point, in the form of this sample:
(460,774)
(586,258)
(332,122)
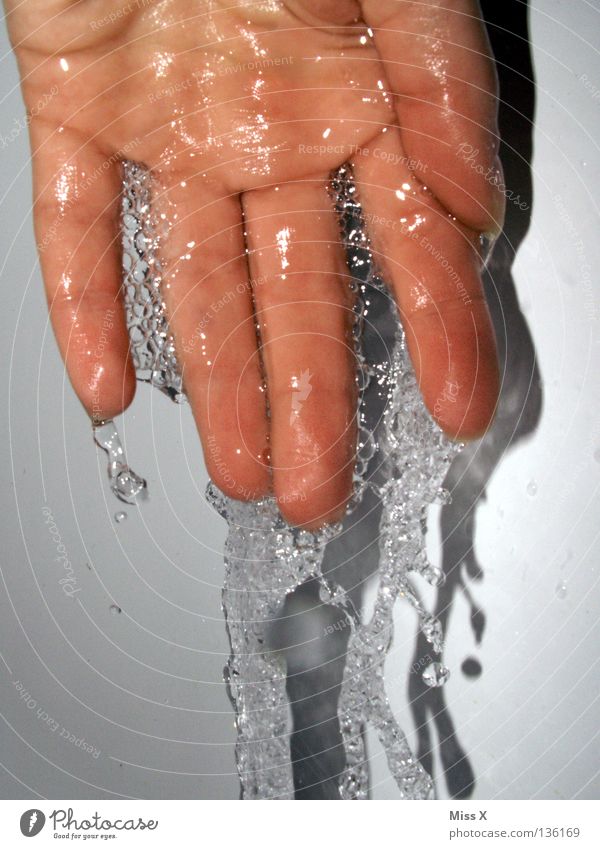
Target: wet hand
(240,111)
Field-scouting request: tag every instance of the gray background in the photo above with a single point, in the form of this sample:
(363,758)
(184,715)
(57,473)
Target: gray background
(144,686)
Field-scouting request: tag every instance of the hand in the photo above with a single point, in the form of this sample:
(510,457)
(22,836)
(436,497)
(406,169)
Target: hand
(241,109)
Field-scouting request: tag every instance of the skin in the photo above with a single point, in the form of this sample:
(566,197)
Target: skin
(241,110)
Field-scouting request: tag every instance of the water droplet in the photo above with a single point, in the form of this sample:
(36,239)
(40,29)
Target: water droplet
(127,486)
(349,786)
(434,576)
(120,516)
(436,675)
(561,590)
(471,667)
(532,488)
(443,497)
(324,594)
(431,628)
(115,609)
(124,482)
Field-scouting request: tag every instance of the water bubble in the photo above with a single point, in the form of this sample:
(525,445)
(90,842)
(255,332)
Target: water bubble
(561,590)
(435,675)
(127,486)
(325,594)
(532,488)
(115,609)
(350,786)
(434,576)
(120,516)
(443,496)
(431,628)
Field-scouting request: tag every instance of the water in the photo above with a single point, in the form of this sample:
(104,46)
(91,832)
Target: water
(435,675)
(265,560)
(532,488)
(403,457)
(124,482)
(411,462)
(561,590)
(152,346)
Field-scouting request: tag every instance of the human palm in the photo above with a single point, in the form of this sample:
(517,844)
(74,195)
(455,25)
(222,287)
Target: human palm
(240,111)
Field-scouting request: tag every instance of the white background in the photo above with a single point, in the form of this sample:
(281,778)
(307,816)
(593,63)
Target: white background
(145,686)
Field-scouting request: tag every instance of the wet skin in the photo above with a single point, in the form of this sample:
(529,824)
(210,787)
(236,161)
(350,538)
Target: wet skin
(241,110)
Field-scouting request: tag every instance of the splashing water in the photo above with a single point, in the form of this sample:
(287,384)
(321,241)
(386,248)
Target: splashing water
(404,460)
(413,456)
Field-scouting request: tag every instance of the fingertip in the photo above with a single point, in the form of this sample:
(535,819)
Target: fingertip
(311,501)
(105,387)
(238,475)
(473,189)
(457,369)
(309,515)
(469,418)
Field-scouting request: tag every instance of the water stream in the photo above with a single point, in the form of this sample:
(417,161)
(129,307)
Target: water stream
(403,458)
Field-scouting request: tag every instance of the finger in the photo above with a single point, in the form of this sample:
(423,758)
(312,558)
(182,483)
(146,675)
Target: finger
(439,65)
(209,301)
(77,189)
(304,311)
(434,266)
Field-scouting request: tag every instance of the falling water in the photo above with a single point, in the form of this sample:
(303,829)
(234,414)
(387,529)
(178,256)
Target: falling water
(124,482)
(404,460)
